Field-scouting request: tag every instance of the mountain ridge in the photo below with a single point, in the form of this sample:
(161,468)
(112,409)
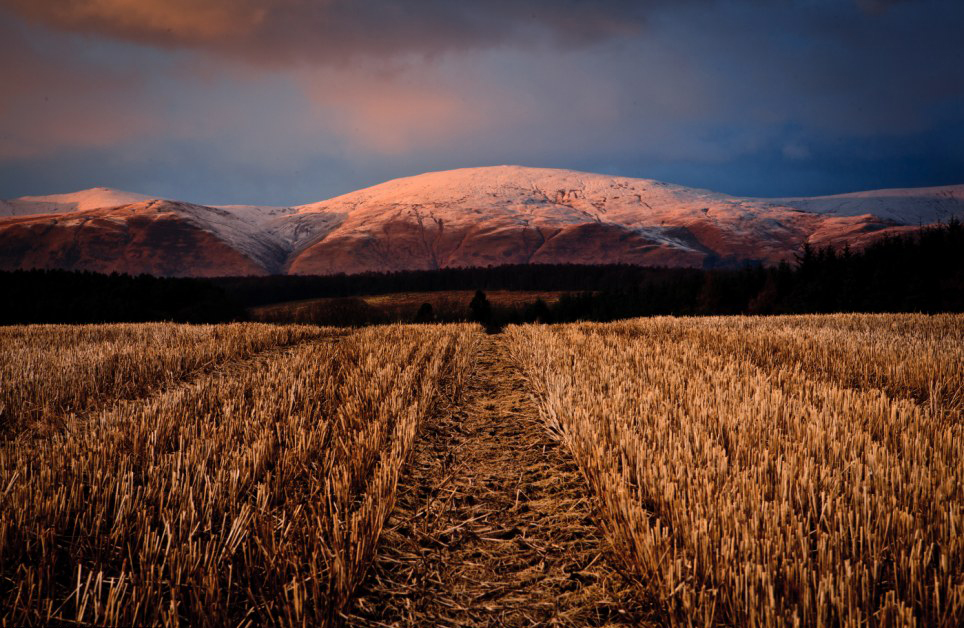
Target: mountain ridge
(466,217)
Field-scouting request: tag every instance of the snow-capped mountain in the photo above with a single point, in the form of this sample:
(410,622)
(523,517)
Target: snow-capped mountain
(915,206)
(94,198)
(511,214)
(467,217)
(109,230)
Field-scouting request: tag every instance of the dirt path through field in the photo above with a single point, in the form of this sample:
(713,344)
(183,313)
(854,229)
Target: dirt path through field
(492,526)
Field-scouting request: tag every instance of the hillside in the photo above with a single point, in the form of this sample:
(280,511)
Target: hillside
(94,198)
(157,237)
(458,218)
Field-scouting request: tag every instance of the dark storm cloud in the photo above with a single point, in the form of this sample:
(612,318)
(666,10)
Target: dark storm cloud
(333,31)
(282,30)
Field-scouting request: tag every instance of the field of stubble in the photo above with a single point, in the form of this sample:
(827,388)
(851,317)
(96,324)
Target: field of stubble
(716,471)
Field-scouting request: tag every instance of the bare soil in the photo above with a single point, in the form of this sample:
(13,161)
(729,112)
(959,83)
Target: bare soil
(493,525)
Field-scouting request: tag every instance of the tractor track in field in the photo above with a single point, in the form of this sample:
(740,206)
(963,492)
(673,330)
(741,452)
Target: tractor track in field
(493,525)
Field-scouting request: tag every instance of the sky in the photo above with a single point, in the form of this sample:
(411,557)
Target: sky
(294,101)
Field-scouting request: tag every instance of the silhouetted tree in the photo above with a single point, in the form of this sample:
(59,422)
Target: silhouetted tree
(480,309)
(538,312)
(425,313)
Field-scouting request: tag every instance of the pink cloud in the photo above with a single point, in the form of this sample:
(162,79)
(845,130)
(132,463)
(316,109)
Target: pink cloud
(54,101)
(392,111)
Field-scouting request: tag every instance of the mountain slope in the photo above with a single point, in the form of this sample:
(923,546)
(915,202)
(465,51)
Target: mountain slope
(157,237)
(94,198)
(915,206)
(467,217)
(510,214)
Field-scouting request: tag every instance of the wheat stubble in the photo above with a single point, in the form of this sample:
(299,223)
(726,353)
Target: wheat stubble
(493,526)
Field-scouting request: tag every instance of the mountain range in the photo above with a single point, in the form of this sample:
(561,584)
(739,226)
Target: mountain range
(466,217)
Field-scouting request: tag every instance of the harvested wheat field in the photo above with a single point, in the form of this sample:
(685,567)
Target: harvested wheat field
(737,471)
(494,524)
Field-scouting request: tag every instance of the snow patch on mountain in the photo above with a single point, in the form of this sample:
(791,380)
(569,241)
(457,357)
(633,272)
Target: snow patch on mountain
(243,230)
(913,206)
(256,214)
(94,198)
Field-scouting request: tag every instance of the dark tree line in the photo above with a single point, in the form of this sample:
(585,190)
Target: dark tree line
(58,296)
(254,291)
(919,272)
